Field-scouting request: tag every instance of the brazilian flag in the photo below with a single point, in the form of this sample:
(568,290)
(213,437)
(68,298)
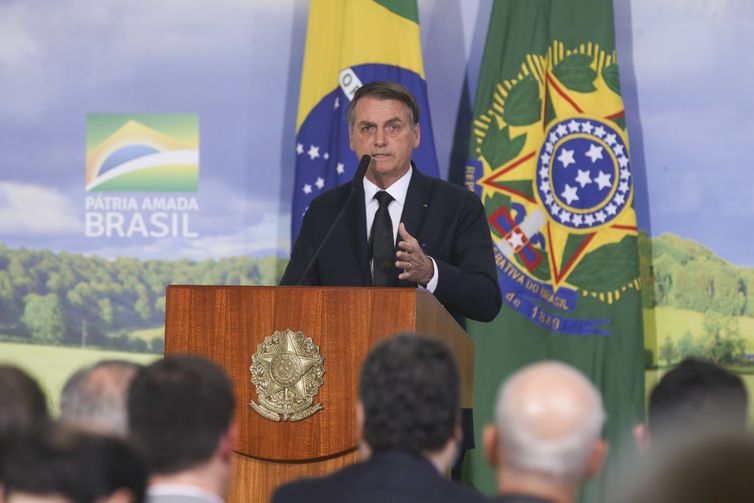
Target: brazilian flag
(549,157)
(350,43)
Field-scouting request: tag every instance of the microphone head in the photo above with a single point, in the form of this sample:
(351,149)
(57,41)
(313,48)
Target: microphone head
(361,170)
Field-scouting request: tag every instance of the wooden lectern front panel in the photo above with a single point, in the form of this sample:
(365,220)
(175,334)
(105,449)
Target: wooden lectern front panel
(227,324)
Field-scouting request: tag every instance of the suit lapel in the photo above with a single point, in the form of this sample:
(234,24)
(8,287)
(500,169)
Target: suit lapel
(415,208)
(356,225)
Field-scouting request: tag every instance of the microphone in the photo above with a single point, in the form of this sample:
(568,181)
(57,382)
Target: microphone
(357,179)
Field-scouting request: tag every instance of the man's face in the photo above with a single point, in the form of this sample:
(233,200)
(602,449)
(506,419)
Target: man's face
(383,129)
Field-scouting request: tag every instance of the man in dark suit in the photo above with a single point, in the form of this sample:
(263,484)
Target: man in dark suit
(443,240)
(408,431)
(180,412)
(546,440)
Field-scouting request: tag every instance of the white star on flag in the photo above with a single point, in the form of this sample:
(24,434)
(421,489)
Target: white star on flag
(577,220)
(625,174)
(611,209)
(623,187)
(313,152)
(299,148)
(573,126)
(339,169)
(545,158)
(570,194)
(565,216)
(320,182)
(618,149)
(600,216)
(610,139)
(553,137)
(589,219)
(623,161)
(516,240)
(619,199)
(599,132)
(562,131)
(544,173)
(594,152)
(307,188)
(544,187)
(583,178)
(566,157)
(586,127)
(603,180)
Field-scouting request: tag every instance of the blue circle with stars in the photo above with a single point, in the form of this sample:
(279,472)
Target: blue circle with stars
(583,176)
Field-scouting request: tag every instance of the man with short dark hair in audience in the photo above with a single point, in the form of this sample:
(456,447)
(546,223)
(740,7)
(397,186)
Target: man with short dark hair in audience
(546,440)
(694,397)
(181,419)
(94,398)
(61,465)
(23,406)
(407,427)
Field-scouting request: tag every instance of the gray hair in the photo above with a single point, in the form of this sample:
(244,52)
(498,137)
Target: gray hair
(549,417)
(94,398)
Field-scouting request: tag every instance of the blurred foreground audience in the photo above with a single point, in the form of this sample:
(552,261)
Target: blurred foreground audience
(695,398)
(407,424)
(23,406)
(181,420)
(711,468)
(57,465)
(546,440)
(94,398)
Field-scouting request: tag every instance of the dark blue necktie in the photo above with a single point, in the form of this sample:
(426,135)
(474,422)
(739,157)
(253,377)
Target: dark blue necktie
(383,244)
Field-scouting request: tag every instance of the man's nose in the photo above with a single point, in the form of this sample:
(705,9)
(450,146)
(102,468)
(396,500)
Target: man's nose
(380,137)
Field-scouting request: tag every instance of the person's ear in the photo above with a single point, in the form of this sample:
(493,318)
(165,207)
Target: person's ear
(227,441)
(491,443)
(596,459)
(364,450)
(641,437)
(417,136)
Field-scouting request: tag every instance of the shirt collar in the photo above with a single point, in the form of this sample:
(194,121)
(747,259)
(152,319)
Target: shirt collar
(398,190)
(155,490)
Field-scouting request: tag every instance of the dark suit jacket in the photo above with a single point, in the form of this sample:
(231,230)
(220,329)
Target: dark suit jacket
(448,221)
(387,477)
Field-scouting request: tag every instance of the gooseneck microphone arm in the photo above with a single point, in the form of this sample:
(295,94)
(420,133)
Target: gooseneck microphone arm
(357,180)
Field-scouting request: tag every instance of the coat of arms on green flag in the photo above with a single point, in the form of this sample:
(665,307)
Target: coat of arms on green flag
(550,160)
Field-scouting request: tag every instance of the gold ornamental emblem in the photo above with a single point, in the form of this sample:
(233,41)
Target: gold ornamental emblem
(287,372)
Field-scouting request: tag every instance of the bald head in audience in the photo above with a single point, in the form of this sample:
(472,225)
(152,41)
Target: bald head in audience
(546,439)
(94,398)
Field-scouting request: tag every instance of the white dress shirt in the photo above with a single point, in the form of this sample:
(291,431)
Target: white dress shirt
(398,191)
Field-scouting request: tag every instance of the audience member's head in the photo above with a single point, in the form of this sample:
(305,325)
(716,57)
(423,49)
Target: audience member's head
(53,464)
(546,438)
(710,468)
(22,401)
(180,416)
(693,397)
(22,406)
(94,398)
(409,399)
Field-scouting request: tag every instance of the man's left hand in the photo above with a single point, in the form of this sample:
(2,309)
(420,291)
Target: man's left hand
(416,266)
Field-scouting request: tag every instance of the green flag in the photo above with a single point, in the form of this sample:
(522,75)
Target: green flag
(549,157)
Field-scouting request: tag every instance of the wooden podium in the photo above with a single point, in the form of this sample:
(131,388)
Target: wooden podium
(227,324)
